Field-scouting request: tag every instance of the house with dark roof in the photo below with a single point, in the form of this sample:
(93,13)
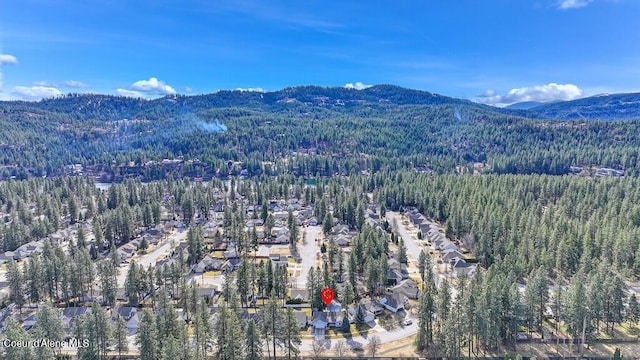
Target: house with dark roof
(133,324)
(424,229)
(319,321)
(29,322)
(127,312)
(334,306)
(6,256)
(394,276)
(301,319)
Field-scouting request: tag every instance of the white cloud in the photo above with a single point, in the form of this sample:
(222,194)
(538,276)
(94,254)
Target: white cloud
(6,59)
(573,4)
(539,93)
(130,93)
(75,84)
(153,86)
(35,92)
(358,86)
(488,93)
(188,89)
(251,89)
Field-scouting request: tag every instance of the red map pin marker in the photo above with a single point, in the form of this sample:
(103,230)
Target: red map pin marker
(327,295)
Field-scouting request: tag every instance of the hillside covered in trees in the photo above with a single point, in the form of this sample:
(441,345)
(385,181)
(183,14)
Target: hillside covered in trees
(306,130)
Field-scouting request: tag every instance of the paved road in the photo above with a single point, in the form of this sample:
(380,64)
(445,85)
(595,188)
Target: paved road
(308,254)
(164,248)
(384,335)
(413,248)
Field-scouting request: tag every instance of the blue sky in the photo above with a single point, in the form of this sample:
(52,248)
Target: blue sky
(494,51)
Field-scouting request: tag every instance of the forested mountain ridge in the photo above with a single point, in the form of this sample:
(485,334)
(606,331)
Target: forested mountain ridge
(305,130)
(603,107)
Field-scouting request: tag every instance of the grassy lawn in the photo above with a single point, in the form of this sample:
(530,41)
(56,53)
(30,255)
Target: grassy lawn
(628,330)
(211,273)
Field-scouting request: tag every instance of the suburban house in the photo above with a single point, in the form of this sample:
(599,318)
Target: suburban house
(408,288)
(373,307)
(127,312)
(462,267)
(394,276)
(452,255)
(334,306)
(207,264)
(6,256)
(72,313)
(29,322)
(133,324)
(342,240)
(393,303)
(319,322)
(207,293)
(300,294)
(368,316)
(301,319)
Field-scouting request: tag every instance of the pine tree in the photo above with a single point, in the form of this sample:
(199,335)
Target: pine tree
(252,343)
(272,324)
(15,278)
(327,223)
(228,335)
(131,284)
(15,332)
(402,252)
(291,334)
(146,339)
(120,336)
(426,314)
(171,349)
(348,295)
(633,313)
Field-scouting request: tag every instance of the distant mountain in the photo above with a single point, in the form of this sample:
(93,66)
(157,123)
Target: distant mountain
(525,105)
(318,130)
(599,107)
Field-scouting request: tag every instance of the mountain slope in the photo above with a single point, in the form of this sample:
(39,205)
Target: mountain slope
(603,107)
(306,130)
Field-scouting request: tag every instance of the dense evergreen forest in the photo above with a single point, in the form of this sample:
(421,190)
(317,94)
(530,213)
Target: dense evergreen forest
(568,243)
(305,130)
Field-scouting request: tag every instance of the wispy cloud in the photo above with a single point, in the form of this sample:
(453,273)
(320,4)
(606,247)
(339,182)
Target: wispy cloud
(130,93)
(6,59)
(573,4)
(75,84)
(357,86)
(35,92)
(270,11)
(539,93)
